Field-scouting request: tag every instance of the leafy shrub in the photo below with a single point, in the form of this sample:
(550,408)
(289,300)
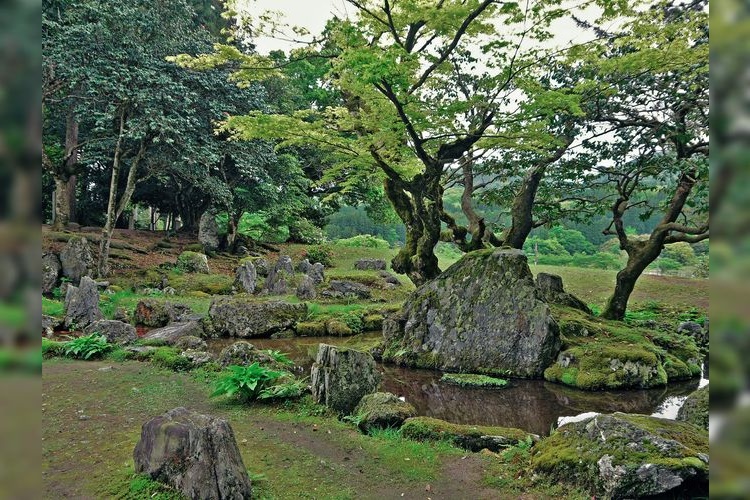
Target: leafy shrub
(279,357)
(702,267)
(665,264)
(681,252)
(304,231)
(247,382)
(285,390)
(320,253)
(89,346)
(363,241)
(354,321)
(572,240)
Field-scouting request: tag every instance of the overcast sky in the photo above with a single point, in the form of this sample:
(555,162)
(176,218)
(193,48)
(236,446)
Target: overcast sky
(313,14)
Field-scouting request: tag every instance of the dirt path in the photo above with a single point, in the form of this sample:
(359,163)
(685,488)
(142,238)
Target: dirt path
(92,413)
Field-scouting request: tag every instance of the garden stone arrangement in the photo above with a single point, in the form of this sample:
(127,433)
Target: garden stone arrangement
(442,251)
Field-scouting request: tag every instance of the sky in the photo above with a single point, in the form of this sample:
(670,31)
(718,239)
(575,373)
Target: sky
(310,14)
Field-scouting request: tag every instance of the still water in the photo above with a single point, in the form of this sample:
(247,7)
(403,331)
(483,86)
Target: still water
(532,405)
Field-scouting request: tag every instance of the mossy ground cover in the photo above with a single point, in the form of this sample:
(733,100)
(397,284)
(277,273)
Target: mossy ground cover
(595,352)
(473,380)
(91,422)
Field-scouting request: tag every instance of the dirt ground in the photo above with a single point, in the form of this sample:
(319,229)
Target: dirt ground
(92,413)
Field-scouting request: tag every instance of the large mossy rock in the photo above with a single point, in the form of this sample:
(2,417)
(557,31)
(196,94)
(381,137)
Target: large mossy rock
(208,231)
(551,288)
(193,262)
(82,304)
(382,410)
(243,353)
(195,454)
(470,437)
(245,277)
(76,259)
(248,317)
(482,315)
(599,354)
(116,332)
(341,377)
(695,409)
(158,313)
(627,456)
(51,268)
(173,332)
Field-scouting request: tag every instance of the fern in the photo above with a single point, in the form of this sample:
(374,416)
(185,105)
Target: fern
(247,382)
(93,345)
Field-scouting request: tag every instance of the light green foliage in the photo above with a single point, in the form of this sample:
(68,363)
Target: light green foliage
(279,357)
(52,307)
(321,253)
(247,382)
(473,380)
(362,241)
(87,347)
(286,390)
(52,348)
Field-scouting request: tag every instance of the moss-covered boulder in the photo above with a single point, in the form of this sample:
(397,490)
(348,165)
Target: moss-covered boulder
(193,262)
(338,328)
(599,354)
(158,313)
(483,315)
(551,288)
(695,408)
(311,328)
(382,410)
(340,377)
(247,317)
(470,437)
(243,353)
(627,456)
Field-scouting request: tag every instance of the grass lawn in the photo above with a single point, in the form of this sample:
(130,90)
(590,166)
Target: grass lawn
(91,420)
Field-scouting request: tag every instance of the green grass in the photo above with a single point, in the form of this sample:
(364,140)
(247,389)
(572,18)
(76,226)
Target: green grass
(52,307)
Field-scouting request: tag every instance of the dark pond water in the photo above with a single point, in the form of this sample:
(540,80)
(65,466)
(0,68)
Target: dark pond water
(532,405)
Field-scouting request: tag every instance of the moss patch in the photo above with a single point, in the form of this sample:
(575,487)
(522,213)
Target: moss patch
(600,354)
(471,437)
(573,453)
(473,380)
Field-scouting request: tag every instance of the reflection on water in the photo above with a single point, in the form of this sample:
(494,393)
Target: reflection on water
(532,405)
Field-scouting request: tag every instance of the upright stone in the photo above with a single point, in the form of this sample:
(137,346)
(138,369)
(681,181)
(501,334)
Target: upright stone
(277,280)
(51,268)
(317,273)
(304,266)
(195,454)
(82,304)
(208,231)
(484,314)
(76,259)
(341,377)
(306,288)
(551,288)
(695,408)
(245,277)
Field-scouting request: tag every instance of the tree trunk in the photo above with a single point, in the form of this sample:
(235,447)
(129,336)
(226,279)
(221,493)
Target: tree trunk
(639,259)
(114,209)
(64,207)
(419,206)
(61,205)
(133,217)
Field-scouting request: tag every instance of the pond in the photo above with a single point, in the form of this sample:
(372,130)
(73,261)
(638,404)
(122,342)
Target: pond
(532,405)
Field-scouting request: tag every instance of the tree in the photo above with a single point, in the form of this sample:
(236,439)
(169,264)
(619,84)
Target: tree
(403,119)
(652,81)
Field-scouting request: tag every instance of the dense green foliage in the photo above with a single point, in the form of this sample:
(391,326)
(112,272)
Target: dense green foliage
(86,347)
(246,382)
